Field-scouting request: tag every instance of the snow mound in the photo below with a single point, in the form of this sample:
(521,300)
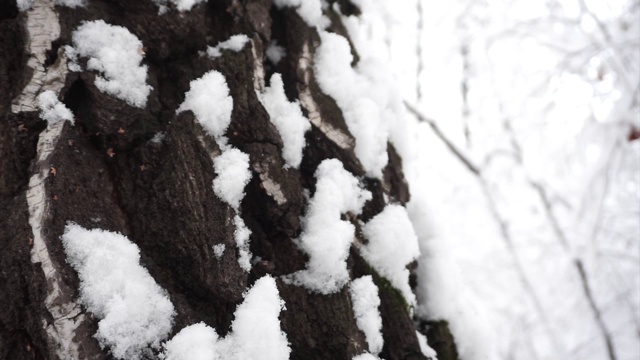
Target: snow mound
(135,313)
(288,119)
(232,167)
(362,100)
(208,98)
(325,237)
(364,296)
(234,43)
(392,245)
(52,110)
(116,54)
(425,348)
(255,331)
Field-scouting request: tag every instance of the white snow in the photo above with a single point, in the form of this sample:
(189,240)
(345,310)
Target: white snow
(242,235)
(208,98)
(425,348)
(255,331)
(275,52)
(234,43)
(52,110)
(441,292)
(135,313)
(288,119)
(365,300)
(325,237)
(116,54)
(232,167)
(71,3)
(365,356)
(392,245)
(218,250)
(309,10)
(363,101)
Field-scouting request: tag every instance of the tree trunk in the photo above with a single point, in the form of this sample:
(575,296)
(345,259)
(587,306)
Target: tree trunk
(105,172)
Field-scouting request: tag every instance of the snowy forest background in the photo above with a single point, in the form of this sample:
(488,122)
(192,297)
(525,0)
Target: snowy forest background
(540,206)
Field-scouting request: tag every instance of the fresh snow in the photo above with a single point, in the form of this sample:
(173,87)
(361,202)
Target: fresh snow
(52,110)
(275,52)
(218,250)
(392,245)
(425,348)
(232,167)
(362,100)
(135,313)
(325,237)
(288,119)
(309,10)
(208,98)
(365,300)
(255,331)
(116,54)
(234,43)
(242,235)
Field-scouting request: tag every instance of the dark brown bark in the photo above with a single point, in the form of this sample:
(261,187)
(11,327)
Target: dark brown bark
(159,194)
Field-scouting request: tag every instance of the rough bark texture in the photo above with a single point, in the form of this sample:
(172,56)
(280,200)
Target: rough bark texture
(159,194)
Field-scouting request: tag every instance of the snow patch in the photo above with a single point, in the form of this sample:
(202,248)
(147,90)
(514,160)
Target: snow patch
(392,245)
(52,110)
(288,119)
(309,10)
(234,43)
(362,100)
(325,237)
(425,348)
(255,331)
(275,52)
(365,300)
(232,167)
(365,356)
(115,53)
(208,98)
(135,312)
(218,250)
(24,5)
(242,236)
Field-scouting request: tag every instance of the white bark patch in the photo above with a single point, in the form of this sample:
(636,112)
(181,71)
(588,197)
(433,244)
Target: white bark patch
(42,28)
(273,189)
(65,311)
(258,69)
(306,100)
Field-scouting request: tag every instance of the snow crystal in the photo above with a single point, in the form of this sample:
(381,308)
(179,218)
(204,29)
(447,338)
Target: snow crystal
(208,98)
(234,43)
(115,53)
(392,245)
(241,235)
(71,3)
(364,296)
(255,331)
(425,348)
(326,238)
(309,10)
(218,250)
(52,110)
(135,312)
(232,167)
(364,105)
(275,52)
(288,119)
